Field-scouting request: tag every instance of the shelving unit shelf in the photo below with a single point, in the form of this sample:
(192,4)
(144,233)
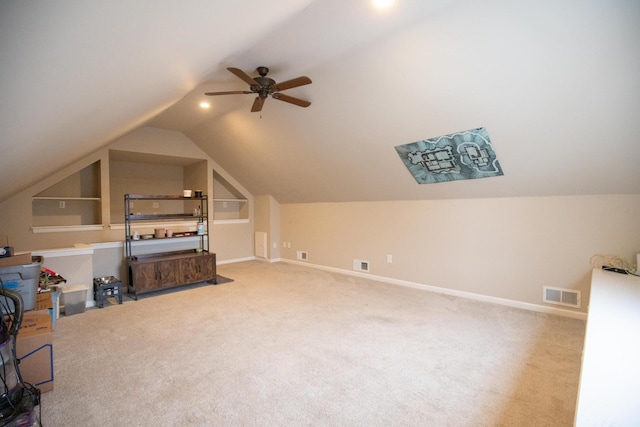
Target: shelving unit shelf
(150,272)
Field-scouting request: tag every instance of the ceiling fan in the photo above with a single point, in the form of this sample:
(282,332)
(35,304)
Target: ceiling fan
(264,86)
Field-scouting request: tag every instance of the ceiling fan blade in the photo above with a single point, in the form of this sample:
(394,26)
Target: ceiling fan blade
(257,104)
(233,92)
(244,76)
(291,100)
(298,81)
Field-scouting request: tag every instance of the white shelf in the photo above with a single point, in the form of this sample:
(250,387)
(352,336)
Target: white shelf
(66,228)
(230,200)
(96,199)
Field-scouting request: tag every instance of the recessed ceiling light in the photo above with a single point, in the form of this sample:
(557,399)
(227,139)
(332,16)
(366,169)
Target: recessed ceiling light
(382,4)
(205,104)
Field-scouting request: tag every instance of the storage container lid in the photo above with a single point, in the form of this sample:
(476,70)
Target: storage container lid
(73,288)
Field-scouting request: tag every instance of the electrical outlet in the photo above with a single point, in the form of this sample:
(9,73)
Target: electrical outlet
(390,259)
(156,205)
(62,204)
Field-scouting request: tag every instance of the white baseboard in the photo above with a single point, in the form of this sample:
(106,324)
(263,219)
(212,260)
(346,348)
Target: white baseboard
(232,261)
(452,292)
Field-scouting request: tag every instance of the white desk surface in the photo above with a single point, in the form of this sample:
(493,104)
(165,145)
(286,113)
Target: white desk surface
(609,393)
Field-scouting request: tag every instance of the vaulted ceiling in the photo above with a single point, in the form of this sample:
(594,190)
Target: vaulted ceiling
(555,83)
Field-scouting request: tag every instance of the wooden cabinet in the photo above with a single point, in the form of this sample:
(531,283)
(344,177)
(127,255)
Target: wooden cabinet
(197,268)
(144,275)
(155,271)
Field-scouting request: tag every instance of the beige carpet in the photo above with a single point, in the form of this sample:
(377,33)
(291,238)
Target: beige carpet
(286,345)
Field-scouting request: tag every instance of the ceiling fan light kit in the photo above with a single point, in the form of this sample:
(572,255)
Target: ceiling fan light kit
(264,87)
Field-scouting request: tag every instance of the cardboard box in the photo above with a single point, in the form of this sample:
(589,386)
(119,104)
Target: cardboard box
(43,301)
(20,259)
(34,349)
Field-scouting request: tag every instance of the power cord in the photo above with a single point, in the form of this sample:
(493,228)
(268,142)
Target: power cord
(614,263)
(21,398)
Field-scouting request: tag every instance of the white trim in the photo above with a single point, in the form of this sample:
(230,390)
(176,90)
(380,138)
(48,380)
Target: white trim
(155,224)
(452,292)
(66,228)
(63,252)
(268,260)
(233,261)
(230,221)
(108,245)
(93,199)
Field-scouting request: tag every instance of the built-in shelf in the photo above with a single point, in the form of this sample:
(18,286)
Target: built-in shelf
(73,203)
(231,221)
(66,228)
(151,224)
(230,200)
(229,204)
(157,217)
(92,199)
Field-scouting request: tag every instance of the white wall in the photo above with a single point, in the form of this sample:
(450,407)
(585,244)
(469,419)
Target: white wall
(74,264)
(229,241)
(505,248)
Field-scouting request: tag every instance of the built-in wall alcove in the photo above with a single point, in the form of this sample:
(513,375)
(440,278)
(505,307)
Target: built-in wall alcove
(229,204)
(151,174)
(72,201)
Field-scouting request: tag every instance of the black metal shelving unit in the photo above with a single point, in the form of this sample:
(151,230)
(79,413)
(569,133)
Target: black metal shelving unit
(158,270)
(201,204)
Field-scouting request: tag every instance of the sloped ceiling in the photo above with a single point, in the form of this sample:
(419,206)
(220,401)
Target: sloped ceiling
(554,83)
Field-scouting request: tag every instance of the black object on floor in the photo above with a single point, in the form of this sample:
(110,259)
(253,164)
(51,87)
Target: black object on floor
(106,287)
(221,280)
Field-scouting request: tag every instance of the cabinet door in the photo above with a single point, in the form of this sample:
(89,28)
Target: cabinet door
(207,267)
(144,277)
(168,273)
(189,270)
(197,269)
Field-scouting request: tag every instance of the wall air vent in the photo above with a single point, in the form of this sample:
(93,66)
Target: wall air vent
(559,296)
(360,265)
(302,255)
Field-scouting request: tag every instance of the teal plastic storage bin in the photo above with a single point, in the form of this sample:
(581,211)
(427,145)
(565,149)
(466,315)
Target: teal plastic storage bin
(23,279)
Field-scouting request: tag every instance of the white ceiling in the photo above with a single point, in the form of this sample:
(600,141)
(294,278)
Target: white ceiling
(555,83)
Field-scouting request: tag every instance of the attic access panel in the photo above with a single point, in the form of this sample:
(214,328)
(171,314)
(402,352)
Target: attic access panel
(462,155)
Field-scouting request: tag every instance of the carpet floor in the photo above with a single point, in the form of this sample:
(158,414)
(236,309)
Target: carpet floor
(288,345)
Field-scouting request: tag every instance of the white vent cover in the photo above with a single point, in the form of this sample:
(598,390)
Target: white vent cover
(559,296)
(303,255)
(360,265)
